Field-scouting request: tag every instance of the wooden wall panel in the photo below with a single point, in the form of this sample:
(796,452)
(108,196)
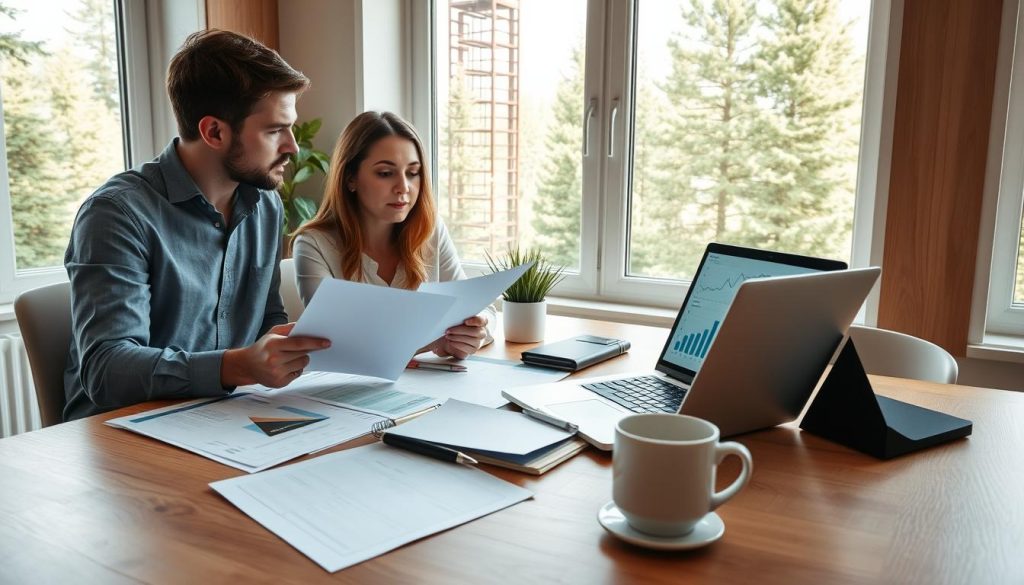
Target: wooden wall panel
(254,18)
(940,139)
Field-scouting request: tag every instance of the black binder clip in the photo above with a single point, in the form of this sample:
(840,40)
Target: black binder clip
(847,411)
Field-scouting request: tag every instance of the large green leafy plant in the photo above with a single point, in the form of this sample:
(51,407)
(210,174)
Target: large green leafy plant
(305,164)
(535,284)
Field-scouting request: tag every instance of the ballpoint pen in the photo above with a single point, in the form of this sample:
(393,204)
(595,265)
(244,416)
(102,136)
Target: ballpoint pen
(426,448)
(417,365)
(551,420)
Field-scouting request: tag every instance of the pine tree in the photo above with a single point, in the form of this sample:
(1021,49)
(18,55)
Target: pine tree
(656,216)
(82,121)
(38,197)
(710,130)
(95,34)
(12,46)
(808,75)
(35,180)
(556,210)
(457,160)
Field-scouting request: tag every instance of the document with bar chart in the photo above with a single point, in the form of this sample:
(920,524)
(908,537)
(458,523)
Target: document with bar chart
(713,292)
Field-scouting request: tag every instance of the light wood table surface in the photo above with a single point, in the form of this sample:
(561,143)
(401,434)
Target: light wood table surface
(85,503)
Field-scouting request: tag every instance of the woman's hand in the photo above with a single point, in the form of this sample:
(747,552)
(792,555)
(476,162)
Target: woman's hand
(463,340)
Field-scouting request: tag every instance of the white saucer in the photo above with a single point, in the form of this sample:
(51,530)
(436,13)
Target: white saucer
(708,530)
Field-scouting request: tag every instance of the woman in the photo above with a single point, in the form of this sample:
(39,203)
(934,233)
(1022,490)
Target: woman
(377,224)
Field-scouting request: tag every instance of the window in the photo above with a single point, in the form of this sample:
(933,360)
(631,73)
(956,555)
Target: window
(510,139)
(64,118)
(622,136)
(1004,314)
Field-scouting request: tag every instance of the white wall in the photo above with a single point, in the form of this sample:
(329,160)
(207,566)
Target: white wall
(356,52)
(386,56)
(319,38)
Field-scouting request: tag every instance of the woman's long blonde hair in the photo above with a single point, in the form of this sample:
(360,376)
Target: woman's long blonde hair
(340,211)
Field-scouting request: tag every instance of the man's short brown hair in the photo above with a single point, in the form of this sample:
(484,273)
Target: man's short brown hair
(223,74)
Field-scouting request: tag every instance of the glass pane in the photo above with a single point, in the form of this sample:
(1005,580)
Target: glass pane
(1018,289)
(510,95)
(747,128)
(61,115)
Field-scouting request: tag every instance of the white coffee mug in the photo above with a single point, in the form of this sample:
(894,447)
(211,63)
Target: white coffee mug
(664,471)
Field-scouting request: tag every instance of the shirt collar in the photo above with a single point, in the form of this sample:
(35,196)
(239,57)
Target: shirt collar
(181,187)
(179,184)
(370,275)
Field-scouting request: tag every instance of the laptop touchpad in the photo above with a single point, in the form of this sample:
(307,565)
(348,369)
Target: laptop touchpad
(587,413)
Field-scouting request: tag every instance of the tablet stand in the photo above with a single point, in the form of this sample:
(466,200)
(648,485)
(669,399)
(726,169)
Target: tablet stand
(847,411)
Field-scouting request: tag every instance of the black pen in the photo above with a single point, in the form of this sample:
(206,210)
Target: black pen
(426,448)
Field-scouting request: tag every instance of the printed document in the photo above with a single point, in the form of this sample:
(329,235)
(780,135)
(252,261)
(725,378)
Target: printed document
(359,392)
(472,295)
(415,390)
(375,330)
(344,508)
(249,431)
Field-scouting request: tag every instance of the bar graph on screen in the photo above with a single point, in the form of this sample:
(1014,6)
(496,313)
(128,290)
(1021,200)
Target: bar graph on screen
(696,344)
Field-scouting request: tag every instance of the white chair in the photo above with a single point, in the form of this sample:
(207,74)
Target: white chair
(890,353)
(44,317)
(289,291)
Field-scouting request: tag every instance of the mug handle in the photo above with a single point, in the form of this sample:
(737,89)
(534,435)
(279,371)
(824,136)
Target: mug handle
(723,450)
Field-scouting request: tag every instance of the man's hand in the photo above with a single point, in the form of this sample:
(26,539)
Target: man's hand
(463,340)
(274,360)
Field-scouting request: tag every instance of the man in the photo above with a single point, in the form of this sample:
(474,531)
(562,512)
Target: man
(174,265)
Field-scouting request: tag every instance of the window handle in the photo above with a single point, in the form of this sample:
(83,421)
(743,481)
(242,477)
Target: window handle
(591,111)
(611,127)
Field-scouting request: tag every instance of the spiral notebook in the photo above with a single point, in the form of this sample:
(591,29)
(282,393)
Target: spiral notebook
(497,437)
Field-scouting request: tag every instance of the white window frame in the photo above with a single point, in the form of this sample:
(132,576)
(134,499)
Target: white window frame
(604,212)
(133,59)
(994,318)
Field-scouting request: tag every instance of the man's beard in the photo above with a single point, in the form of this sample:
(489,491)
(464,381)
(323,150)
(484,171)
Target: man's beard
(259,178)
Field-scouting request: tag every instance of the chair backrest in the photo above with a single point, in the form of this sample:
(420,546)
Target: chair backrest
(890,353)
(44,317)
(289,291)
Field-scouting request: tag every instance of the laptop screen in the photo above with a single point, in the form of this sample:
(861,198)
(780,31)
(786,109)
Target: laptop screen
(722,269)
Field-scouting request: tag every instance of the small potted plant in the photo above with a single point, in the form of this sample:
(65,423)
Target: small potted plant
(525,302)
(305,164)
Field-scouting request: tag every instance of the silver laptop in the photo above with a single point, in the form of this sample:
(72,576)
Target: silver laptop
(747,348)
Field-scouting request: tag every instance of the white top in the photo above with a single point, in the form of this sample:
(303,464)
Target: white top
(317,255)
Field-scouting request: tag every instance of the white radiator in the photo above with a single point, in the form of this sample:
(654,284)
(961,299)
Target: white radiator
(19,411)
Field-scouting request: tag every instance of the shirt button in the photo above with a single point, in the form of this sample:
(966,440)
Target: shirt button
(216,224)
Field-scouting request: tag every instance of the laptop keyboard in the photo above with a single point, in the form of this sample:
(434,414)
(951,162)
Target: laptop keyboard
(641,394)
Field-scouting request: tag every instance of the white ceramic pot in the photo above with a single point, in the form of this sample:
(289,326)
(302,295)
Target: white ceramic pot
(524,322)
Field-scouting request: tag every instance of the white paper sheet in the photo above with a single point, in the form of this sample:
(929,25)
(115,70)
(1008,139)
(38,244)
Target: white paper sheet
(344,508)
(481,384)
(477,428)
(374,330)
(359,392)
(472,294)
(224,429)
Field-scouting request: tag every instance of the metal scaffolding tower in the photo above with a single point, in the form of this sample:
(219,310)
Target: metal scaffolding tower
(483,125)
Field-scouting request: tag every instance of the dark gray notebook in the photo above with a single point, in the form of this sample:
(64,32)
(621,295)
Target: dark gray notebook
(576,353)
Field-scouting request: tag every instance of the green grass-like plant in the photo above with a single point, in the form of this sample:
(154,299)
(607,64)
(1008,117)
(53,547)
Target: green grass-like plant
(535,284)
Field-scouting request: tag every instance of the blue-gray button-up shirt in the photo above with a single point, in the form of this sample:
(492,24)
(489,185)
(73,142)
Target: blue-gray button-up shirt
(161,286)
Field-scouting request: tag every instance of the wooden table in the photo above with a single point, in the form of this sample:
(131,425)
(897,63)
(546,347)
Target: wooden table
(82,502)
